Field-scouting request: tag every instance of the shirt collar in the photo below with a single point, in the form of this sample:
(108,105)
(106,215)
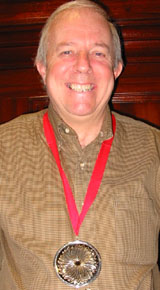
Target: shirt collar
(61,129)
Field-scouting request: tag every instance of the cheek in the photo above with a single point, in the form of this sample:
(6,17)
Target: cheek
(55,80)
(102,70)
(55,72)
(58,69)
(105,80)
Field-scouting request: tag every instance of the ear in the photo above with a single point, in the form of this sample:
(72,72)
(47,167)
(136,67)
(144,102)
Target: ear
(118,70)
(42,70)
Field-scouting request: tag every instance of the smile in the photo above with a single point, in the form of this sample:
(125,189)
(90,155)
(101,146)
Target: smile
(80,88)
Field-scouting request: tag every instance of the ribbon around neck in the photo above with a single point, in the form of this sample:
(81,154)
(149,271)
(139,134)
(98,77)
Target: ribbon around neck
(95,181)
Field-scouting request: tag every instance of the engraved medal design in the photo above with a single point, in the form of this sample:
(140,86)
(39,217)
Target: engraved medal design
(77,263)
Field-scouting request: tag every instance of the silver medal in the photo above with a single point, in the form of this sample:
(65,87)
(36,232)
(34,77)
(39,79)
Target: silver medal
(77,263)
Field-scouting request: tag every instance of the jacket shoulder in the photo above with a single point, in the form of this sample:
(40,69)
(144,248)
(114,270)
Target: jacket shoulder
(21,125)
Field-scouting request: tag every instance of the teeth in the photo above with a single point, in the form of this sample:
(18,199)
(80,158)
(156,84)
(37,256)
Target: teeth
(81,88)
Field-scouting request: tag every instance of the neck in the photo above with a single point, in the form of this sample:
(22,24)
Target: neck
(87,134)
(87,129)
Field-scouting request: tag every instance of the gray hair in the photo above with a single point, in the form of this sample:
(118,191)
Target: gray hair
(77,4)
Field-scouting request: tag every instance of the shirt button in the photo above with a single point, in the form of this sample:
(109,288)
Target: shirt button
(101,134)
(66,130)
(82,165)
(59,147)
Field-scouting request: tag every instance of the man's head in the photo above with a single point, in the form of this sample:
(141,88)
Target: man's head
(79,59)
(77,4)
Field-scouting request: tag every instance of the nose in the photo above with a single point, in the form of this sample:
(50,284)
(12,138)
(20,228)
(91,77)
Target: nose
(82,64)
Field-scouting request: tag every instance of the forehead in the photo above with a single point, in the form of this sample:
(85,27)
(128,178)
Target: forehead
(82,21)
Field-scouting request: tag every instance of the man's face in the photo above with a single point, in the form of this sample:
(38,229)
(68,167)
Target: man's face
(79,75)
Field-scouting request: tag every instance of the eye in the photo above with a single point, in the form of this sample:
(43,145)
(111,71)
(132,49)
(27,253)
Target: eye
(67,52)
(99,54)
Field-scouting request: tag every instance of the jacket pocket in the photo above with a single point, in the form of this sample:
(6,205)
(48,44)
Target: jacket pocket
(136,230)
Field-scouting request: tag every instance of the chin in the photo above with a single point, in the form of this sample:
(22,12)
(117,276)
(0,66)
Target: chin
(81,110)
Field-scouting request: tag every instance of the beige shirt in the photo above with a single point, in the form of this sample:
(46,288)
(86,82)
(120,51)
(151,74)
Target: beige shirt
(122,223)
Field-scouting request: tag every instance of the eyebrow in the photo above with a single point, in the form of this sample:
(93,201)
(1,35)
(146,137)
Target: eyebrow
(62,44)
(103,45)
(96,44)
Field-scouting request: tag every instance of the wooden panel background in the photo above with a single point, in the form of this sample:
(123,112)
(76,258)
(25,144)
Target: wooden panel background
(138,89)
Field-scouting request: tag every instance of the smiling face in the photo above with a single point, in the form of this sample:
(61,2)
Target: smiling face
(79,75)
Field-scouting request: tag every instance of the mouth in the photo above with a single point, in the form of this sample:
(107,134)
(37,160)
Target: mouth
(80,88)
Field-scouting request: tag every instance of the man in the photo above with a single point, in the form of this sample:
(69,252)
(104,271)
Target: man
(79,187)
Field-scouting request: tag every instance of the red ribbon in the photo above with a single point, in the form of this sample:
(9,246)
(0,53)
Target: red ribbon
(95,181)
